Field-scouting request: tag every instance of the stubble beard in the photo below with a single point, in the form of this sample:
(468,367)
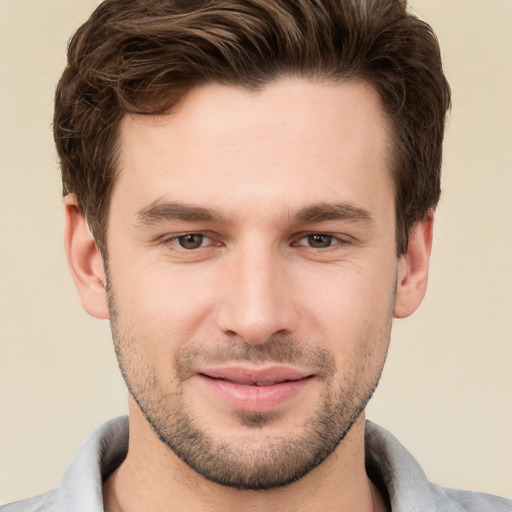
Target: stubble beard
(271,461)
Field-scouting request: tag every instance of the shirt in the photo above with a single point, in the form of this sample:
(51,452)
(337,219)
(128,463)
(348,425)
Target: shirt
(388,464)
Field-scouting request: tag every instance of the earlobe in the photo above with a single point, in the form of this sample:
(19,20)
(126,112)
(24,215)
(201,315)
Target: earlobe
(85,261)
(413,269)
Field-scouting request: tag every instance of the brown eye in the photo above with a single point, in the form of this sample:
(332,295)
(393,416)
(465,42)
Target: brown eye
(191,241)
(319,241)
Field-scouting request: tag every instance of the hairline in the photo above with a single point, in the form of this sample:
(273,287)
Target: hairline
(391,156)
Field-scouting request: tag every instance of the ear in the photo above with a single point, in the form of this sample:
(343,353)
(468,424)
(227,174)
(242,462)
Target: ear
(413,269)
(85,261)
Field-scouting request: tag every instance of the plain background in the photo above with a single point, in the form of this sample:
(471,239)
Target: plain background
(446,389)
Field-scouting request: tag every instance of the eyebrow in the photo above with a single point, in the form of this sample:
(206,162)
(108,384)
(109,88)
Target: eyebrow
(160,211)
(328,211)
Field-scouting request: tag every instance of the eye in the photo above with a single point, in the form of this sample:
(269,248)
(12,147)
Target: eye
(191,240)
(318,241)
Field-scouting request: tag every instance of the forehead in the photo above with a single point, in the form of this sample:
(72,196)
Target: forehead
(295,140)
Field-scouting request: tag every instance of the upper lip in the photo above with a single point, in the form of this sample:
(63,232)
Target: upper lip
(255,376)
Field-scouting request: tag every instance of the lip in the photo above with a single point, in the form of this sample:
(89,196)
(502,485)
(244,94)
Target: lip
(255,389)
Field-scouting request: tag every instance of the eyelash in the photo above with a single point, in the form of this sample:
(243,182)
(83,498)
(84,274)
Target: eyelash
(174,240)
(336,241)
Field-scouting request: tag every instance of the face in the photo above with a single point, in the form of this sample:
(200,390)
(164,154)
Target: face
(252,273)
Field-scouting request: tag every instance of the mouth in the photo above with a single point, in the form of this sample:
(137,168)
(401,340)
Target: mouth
(255,389)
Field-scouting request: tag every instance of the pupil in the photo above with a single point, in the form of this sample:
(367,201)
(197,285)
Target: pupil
(190,241)
(320,241)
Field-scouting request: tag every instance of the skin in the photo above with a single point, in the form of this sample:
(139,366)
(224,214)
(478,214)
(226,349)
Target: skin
(254,282)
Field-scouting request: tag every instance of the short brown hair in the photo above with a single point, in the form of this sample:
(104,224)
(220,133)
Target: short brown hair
(142,56)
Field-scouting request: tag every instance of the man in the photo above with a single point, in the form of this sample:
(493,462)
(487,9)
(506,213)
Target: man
(249,191)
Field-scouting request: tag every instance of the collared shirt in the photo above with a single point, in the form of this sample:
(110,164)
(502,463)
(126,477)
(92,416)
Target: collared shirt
(387,462)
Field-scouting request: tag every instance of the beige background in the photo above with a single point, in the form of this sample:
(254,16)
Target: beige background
(446,390)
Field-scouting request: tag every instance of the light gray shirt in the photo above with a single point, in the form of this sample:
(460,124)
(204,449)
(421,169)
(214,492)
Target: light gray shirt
(388,464)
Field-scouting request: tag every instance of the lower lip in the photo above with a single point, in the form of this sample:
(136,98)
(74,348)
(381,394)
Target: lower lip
(255,398)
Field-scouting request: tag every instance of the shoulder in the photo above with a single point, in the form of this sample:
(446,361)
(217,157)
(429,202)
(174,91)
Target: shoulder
(389,463)
(49,501)
(470,501)
(81,486)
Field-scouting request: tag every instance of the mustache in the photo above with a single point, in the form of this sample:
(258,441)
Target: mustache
(277,349)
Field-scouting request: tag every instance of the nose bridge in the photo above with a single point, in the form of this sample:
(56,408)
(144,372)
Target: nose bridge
(257,300)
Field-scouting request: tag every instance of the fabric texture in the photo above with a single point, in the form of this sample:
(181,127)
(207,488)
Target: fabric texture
(388,463)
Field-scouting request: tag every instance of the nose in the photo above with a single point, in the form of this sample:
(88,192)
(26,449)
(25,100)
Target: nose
(257,299)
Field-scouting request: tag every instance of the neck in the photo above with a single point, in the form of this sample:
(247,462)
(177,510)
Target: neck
(153,478)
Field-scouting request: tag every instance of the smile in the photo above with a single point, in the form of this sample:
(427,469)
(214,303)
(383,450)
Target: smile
(255,390)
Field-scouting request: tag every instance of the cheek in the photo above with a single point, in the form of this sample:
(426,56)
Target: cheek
(351,313)
(160,305)
(346,296)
